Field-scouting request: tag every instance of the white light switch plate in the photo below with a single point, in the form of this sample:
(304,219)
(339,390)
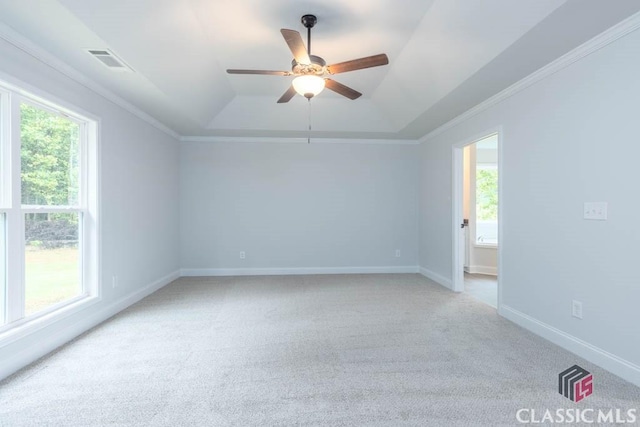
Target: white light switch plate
(595,210)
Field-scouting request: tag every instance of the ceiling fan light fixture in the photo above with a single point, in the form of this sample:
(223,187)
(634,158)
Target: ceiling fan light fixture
(308,86)
(309,70)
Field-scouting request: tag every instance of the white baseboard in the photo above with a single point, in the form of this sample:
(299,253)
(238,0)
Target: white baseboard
(441,280)
(482,269)
(62,336)
(191,272)
(612,363)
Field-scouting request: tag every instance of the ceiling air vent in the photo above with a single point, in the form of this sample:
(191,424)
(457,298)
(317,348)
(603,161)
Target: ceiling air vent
(109,59)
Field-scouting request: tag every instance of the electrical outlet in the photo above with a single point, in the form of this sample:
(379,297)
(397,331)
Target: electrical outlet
(114,282)
(242,255)
(397,253)
(576,309)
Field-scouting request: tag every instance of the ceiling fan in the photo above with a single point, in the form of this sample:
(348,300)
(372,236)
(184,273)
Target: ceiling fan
(310,70)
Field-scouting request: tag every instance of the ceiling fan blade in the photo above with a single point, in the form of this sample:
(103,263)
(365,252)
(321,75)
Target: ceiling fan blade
(294,40)
(341,89)
(358,64)
(290,93)
(263,72)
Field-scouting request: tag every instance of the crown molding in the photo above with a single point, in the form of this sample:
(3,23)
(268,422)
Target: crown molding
(24,44)
(289,140)
(603,39)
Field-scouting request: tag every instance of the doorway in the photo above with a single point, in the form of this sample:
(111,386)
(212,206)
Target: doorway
(476,207)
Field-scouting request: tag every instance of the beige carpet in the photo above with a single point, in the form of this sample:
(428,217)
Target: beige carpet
(301,350)
(482,287)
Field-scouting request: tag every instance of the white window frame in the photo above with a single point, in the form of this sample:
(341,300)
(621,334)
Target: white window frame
(5,195)
(15,326)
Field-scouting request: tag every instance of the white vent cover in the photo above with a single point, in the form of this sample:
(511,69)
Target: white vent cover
(109,59)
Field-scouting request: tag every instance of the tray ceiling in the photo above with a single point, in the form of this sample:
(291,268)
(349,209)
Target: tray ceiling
(445,57)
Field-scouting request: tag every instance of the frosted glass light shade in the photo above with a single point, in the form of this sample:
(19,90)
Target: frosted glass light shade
(308,86)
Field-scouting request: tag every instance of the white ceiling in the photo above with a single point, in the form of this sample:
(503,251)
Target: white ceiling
(445,56)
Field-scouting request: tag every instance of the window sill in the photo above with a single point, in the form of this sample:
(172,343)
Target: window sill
(486,245)
(16,331)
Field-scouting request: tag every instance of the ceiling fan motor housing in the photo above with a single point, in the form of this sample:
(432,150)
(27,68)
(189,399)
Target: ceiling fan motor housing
(316,67)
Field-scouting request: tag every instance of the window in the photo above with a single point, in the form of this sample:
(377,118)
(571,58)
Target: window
(487,191)
(48,210)
(3,269)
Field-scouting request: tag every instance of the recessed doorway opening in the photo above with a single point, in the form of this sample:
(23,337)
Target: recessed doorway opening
(476,218)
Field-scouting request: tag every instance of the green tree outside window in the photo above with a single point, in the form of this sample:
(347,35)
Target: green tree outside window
(487,194)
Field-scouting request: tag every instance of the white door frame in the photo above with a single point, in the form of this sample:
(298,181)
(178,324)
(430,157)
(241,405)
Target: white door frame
(457,275)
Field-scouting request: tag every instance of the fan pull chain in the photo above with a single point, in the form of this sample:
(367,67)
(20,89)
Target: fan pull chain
(309,136)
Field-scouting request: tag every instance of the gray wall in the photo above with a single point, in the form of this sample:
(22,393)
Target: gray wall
(139,189)
(298,205)
(568,139)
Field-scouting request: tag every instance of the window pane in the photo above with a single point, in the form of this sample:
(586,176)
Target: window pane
(50,158)
(487,205)
(487,194)
(3,271)
(52,259)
